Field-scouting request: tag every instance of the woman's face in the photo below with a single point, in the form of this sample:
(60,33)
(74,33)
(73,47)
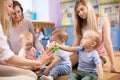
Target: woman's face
(82,11)
(18,14)
(9,8)
(27,44)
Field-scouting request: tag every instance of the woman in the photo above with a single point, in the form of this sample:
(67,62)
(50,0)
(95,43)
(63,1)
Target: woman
(7,57)
(19,25)
(85,18)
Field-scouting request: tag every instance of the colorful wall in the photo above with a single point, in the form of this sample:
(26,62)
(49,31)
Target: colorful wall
(55,12)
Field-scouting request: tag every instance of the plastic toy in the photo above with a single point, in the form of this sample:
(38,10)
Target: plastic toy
(50,45)
(40,71)
(56,48)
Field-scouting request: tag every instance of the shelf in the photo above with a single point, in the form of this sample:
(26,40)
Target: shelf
(108,3)
(64,2)
(114,23)
(68,25)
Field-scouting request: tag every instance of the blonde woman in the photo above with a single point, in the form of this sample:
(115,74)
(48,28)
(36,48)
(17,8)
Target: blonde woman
(85,19)
(7,57)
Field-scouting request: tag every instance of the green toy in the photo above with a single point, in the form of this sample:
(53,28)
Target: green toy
(56,48)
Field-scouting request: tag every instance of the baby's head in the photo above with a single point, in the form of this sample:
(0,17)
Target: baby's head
(91,39)
(26,40)
(60,35)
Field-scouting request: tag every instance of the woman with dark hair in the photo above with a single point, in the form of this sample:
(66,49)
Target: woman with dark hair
(19,25)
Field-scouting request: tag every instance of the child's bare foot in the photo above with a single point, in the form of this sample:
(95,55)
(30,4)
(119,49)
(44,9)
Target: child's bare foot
(46,77)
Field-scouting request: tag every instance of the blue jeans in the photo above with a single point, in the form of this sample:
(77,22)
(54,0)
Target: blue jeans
(60,70)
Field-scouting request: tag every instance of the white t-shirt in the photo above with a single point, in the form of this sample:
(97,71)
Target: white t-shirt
(5,52)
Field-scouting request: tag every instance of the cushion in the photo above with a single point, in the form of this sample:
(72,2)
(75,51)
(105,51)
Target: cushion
(70,30)
(47,31)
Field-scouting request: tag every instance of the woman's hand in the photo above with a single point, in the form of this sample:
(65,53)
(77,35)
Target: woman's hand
(45,56)
(112,69)
(52,44)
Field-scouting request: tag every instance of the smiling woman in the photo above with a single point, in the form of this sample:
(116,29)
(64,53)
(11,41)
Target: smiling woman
(19,25)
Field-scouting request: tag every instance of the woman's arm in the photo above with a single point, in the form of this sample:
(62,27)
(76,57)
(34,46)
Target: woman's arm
(16,60)
(108,44)
(37,43)
(74,57)
(100,71)
(75,43)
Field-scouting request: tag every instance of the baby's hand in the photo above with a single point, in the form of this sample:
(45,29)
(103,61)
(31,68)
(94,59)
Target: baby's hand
(53,46)
(36,67)
(46,72)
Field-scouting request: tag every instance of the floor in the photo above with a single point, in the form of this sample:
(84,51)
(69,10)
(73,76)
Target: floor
(107,74)
(112,76)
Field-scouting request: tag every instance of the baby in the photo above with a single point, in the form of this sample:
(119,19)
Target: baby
(61,64)
(27,50)
(89,67)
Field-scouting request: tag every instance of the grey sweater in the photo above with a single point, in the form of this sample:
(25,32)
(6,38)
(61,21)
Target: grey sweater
(15,33)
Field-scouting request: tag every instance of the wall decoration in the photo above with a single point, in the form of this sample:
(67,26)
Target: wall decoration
(67,13)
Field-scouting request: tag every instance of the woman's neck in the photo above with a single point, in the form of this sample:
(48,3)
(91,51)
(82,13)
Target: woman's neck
(18,24)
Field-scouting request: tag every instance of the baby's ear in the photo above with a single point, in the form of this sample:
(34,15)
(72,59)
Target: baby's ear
(63,40)
(93,44)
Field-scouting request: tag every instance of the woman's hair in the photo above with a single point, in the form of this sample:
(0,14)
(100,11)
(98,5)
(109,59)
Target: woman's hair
(16,3)
(26,36)
(60,33)
(90,21)
(5,22)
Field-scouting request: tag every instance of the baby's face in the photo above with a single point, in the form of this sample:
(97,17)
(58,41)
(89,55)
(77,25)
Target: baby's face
(27,45)
(86,41)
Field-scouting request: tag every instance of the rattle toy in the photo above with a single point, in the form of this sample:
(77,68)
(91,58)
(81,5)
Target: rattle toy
(56,48)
